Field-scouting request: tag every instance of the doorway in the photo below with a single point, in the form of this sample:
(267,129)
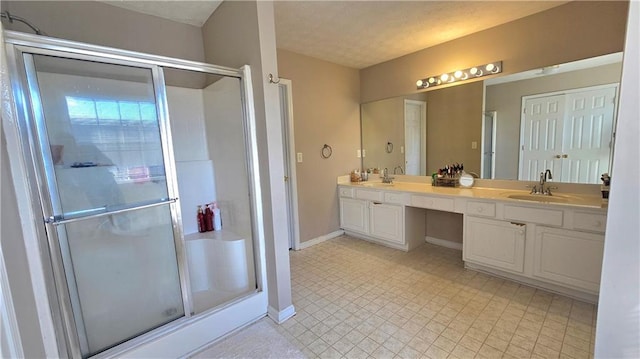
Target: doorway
(489,128)
(415,137)
(288,148)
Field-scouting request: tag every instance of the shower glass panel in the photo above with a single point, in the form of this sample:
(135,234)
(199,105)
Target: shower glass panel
(210,150)
(102,160)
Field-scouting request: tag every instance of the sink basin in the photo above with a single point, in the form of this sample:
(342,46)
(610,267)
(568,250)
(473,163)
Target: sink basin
(539,198)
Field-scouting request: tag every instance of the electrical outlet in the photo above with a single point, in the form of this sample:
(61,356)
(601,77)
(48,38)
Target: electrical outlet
(358,154)
(364,153)
(401,149)
(474,145)
(299,157)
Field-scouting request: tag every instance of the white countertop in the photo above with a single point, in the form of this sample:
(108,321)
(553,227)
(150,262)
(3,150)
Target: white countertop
(501,194)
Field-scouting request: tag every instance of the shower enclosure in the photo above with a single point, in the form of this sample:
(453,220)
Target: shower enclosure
(96,146)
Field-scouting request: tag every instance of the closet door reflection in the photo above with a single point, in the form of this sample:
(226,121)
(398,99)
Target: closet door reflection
(103,165)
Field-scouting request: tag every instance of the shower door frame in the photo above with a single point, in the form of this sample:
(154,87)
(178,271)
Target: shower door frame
(57,305)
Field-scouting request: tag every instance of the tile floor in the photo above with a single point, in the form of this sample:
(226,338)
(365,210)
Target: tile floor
(355,299)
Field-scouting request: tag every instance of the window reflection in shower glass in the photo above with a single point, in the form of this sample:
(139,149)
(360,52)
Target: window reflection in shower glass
(103,117)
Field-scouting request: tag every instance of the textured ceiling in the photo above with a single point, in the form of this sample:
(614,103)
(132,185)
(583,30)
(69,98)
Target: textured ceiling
(361,33)
(184,11)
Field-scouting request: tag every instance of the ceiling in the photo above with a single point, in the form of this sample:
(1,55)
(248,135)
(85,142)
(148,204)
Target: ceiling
(362,33)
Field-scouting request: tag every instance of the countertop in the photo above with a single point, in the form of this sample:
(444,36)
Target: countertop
(502,194)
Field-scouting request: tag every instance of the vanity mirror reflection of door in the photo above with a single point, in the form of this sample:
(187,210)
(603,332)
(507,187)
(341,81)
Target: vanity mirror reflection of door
(415,137)
(570,133)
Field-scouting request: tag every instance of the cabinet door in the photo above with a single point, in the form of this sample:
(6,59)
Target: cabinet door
(385,222)
(354,215)
(568,257)
(499,244)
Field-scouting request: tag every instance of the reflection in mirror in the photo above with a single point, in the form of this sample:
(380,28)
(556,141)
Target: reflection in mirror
(559,118)
(488,137)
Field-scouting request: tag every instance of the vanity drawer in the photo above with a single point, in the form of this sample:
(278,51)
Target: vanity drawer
(594,222)
(397,198)
(370,195)
(346,192)
(437,203)
(546,216)
(483,209)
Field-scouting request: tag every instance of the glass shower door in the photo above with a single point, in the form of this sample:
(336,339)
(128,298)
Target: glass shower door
(105,196)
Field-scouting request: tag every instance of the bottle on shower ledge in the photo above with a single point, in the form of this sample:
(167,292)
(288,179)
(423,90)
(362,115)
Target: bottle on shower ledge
(201,220)
(217,220)
(208,218)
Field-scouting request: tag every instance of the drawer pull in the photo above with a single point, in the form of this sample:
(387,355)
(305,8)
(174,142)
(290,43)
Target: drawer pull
(377,202)
(518,224)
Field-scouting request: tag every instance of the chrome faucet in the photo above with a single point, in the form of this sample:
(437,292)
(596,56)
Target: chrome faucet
(400,168)
(544,176)
(385,176)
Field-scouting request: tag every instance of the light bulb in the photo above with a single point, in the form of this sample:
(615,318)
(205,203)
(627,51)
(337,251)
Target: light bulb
(489,67)
(473,70)
(432,80)
(419,83)
(457,74)
(444,77)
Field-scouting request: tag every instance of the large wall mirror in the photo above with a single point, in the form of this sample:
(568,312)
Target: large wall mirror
(514,126)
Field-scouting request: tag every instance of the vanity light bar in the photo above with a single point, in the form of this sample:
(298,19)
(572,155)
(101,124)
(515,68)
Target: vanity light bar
(460,75)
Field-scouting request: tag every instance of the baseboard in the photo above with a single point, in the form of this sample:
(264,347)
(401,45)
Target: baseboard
(318,240)
(281,316)
(443,243)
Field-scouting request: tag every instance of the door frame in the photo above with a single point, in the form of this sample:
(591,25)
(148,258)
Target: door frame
(289,142)
(616,85)
(494,137)
(423,133)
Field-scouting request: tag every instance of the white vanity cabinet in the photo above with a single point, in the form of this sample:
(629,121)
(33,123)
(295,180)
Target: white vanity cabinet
(496,243)
(386,222)
(568,257)
(354,215)
(374,215)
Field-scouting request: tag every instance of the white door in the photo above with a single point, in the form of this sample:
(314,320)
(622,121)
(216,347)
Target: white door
(415,115)
(489,127)
(571,134)
(288,148)
(588,135)
(541,136)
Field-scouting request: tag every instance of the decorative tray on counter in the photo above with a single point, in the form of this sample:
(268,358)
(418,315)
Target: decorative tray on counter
(446,181)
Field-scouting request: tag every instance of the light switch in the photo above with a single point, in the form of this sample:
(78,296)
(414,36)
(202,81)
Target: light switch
(358,154)
(299,157)
(474,145)
(364,153)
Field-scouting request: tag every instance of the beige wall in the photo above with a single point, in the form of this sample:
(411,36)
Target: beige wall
(566,33)
(251,24)
(506,100)
(101,24)
(453,122)
(326,110)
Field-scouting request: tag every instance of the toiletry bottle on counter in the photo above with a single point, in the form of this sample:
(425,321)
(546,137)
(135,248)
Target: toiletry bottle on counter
(208,218)
(201,220)
(217,221)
